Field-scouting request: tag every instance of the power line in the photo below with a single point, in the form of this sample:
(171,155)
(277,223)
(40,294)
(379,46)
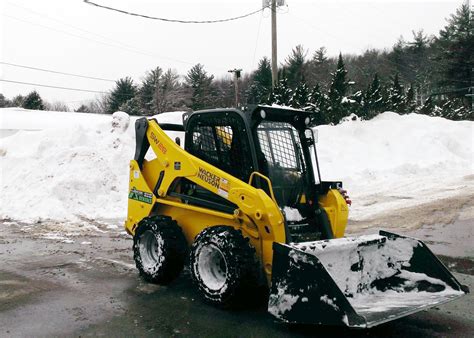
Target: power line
(56,87)
(98,41)
(55,72)
(119,45)
(173,20)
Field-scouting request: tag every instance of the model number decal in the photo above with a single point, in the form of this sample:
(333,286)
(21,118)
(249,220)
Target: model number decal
(160,145)
(209,177)
(141,196)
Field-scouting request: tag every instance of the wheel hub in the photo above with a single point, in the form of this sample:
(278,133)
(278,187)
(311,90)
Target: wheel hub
(150,250)
(212,267)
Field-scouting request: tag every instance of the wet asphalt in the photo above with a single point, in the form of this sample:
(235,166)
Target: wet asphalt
(91,288)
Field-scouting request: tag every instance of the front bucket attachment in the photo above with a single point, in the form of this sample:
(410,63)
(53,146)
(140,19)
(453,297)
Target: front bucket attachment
(358,282)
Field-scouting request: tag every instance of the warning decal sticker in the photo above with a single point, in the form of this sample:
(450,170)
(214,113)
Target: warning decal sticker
(141,196)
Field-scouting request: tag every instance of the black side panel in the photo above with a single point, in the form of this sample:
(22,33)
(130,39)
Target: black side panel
(171,126)
(324,187)
(158,183)
(227,208)
(142,144)
(323,220)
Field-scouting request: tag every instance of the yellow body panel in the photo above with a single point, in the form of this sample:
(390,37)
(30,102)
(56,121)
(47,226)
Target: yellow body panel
(140,207)
(337,210)
(257,216)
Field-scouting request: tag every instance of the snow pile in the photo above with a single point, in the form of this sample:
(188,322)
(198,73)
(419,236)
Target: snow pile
(65,166)
(74,166)
(292,215)
(395,161)
(120,121)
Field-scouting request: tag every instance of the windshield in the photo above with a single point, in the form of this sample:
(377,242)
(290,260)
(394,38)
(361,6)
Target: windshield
(282,159)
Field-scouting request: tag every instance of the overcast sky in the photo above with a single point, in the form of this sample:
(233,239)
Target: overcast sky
(71,36)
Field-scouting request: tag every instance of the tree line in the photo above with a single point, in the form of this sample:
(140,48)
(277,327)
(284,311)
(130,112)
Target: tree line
(428,74)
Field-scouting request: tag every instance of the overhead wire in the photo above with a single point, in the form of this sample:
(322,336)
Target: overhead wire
(97,41)
(174,20)
(64,88)
(56,87)
(119,45)
(55,72)
(116,43)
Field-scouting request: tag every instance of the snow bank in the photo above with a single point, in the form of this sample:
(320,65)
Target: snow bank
(74,166)
(65,166)
(394,161)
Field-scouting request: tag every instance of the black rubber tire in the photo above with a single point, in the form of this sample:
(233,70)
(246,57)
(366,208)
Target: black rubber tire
(241,268)
(167,261)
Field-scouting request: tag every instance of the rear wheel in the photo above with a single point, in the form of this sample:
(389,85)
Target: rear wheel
(223,266)
(159,249)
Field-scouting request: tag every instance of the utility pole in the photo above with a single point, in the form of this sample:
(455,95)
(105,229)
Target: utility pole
(236,73)
(274,44)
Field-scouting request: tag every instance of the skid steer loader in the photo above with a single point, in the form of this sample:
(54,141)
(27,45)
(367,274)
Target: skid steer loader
(244,203)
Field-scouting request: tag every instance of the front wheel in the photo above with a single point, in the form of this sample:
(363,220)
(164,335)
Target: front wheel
(159,249)
(223,266)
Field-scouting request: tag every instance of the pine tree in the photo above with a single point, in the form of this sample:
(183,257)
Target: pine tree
(131,107)
(168,93)
(410,103)
(261,86)
(374,102)
(146,92)
(33,101)
(354,103)
(281,94)
(320,55)
(318,69)
(318,104)
(448,110)
(337,92)
(454,53)
(300,96)
(427,108)
(339,83)
(3,101)
(398,55)
(82,109)
(124,90)
(200,87)
(396,96)
(462,113)
(295,66)
(18,100)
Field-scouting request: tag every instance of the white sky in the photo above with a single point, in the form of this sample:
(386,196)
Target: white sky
(71,36)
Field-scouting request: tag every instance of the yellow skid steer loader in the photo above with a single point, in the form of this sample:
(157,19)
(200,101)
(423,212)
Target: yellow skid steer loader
(245,204)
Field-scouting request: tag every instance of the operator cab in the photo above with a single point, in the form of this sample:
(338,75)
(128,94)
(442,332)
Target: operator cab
(277,143)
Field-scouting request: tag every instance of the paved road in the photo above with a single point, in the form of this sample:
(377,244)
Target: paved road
(91,288)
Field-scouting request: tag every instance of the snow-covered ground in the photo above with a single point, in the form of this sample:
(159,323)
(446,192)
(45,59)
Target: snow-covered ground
(73,167)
